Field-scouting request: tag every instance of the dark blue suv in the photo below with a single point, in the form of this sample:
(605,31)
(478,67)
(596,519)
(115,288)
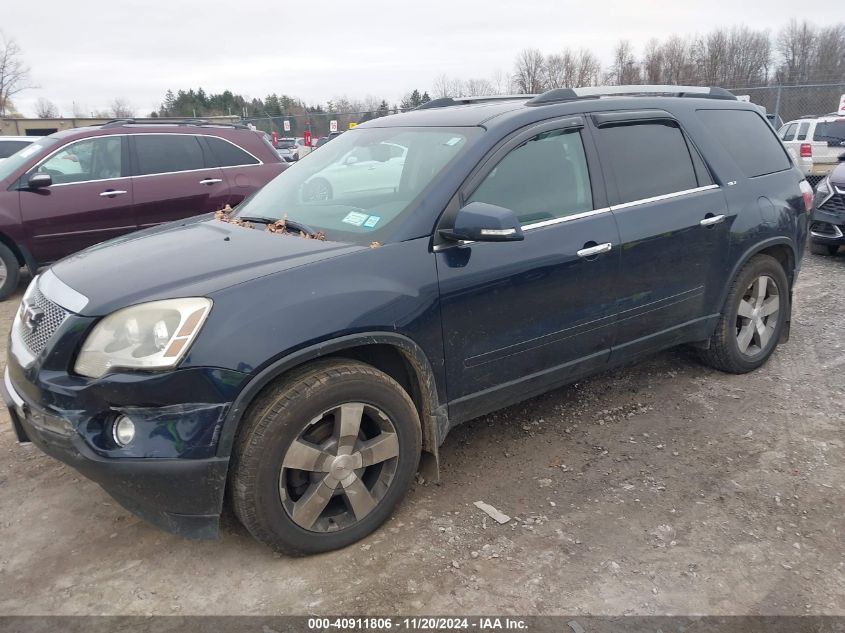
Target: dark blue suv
(421,270)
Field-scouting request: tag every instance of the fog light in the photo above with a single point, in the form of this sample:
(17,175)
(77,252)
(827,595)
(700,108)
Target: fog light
(123,431)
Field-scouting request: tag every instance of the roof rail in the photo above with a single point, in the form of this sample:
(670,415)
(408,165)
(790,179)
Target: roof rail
(165,121)
(569,94)
(444,102)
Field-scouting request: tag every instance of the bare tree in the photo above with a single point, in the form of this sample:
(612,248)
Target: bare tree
(445,86)
(829,61)
(529,71)
(587,69)
(796,44)
(14,73)
(46,109)
(500,81)
(121,109)
(478,87)
(624,70)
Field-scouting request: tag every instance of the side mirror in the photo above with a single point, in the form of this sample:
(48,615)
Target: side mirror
(350,160)
(482,222)
(39,180)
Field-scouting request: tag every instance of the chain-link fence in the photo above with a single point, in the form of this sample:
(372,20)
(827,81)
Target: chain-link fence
(793,102)
(317,123)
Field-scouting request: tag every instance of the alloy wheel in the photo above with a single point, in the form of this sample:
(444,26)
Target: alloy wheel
(3,272)
(339,467)
(757,315)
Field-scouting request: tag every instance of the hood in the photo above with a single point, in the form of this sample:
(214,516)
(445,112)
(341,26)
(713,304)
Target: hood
(192,258)
(837,176)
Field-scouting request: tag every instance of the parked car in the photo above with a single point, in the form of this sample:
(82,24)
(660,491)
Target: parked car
(827,231)
(815,144)
(384,163)
(307,363)
(74,188)
(11,144)
(292,148)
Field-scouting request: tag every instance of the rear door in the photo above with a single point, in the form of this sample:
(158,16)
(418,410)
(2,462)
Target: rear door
(243,171)
(174,178)
(673,224)
(90,200)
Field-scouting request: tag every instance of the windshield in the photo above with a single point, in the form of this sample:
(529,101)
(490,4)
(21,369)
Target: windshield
(19,158)
(286,144)
(832,132)
(356,186)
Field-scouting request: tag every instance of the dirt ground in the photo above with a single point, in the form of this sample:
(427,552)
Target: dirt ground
(660,488)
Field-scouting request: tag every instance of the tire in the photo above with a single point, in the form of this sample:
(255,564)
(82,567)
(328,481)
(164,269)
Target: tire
(279,482)
(823,249)
(10,272)
(732,331)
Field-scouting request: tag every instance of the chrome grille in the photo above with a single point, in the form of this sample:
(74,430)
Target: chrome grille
(52,316)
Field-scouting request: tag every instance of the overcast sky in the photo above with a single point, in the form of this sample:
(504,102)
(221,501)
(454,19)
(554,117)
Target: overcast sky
(91,52)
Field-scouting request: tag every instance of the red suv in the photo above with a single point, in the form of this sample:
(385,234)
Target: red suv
(78,187)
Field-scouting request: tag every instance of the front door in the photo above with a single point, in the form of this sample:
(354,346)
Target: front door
(520,317)
(89,201)
(174,178)
(674,226)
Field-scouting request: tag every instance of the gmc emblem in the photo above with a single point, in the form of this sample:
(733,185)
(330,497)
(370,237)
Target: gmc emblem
(32,317)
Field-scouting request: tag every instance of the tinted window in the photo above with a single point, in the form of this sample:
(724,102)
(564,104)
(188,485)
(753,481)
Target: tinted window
(802,132)
(162,153)
(833,132)
(749,140)
(648,159)
(229,155)
(789,133)
(7,148)
(95,158)
(542,179)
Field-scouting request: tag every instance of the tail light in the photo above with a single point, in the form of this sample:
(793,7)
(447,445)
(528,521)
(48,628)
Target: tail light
(806,150)
(807,194)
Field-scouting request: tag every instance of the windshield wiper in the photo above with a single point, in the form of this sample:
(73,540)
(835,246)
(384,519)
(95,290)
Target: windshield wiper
(291,225)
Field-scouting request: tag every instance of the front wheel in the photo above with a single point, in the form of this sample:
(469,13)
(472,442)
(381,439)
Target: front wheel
(324,457)
(752,319)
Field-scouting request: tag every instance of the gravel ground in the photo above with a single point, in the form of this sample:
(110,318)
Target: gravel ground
(660,488)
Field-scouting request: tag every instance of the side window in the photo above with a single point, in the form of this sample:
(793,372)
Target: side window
(164,153)
(543,179)
(95,158)
(749,140)
(228,155)
(649,159)
(789,134)
(802,131)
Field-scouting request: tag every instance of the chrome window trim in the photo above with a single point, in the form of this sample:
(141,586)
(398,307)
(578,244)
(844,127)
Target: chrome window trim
(665,196)
(587,214)
(566,218)
(163,173)
(60,293)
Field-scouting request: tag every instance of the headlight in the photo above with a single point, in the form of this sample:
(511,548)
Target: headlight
(151,335)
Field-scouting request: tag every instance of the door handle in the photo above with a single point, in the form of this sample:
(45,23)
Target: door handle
(211,181)
(111,193)
(710,220)
(598,249)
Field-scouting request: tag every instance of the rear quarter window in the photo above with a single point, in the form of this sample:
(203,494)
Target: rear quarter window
(749,139)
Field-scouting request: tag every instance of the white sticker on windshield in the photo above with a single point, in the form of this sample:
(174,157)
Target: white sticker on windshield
(355,218)
(454,140)
(372,221)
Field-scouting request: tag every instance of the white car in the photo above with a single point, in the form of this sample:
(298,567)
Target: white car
(815,144)
(12,144)
(292,148)
(368,169)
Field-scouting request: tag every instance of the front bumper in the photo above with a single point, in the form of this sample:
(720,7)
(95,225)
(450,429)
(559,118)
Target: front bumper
(184,496)
(828,222)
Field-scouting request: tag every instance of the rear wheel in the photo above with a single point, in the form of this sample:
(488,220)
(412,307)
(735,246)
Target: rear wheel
(823,249)
(752,319)
(10,271)
(325,457)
